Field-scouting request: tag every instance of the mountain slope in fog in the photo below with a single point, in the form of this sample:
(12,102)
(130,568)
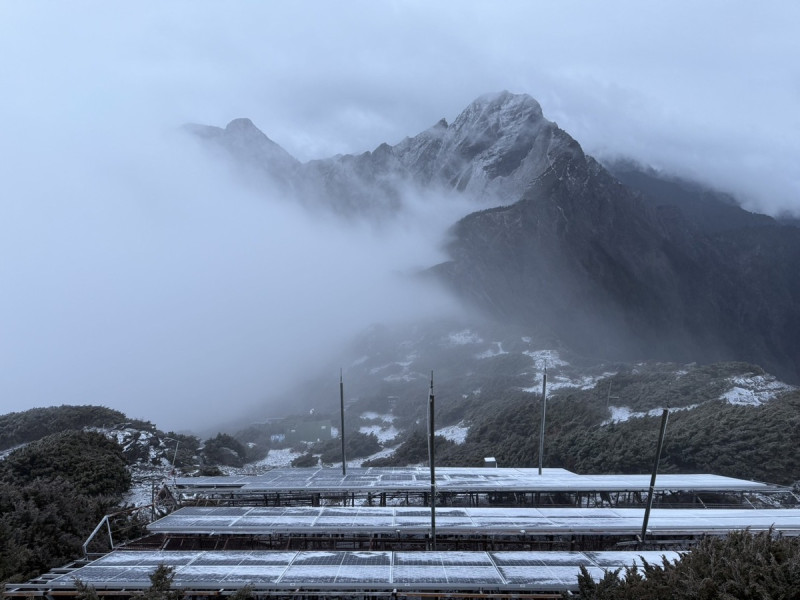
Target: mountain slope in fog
(567,250)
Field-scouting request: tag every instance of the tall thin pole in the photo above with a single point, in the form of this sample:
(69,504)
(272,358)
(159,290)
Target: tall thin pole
(664,417)
(341,430)
(544,414)
(175,456)
(432,461)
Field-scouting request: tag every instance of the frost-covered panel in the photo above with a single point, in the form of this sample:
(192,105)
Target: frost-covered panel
(364,574)
(245,574)
(310,574)
(427,574)
(472,574)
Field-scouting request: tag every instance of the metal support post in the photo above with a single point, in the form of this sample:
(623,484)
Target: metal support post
(664,417)
(432,461)
(341,431)
(544,414)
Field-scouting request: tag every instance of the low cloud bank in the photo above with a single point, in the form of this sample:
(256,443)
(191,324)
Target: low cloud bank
(147,279)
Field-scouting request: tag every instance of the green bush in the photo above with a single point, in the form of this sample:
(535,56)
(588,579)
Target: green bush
(53,493)
(28,426)
(357,445)
(739,566)
(224,449)
(305,460)
(89,460)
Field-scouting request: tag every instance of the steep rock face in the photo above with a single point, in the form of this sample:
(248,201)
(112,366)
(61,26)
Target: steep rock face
(584,260)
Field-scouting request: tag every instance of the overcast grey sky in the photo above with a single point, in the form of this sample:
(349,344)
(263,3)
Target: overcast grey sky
(136,275)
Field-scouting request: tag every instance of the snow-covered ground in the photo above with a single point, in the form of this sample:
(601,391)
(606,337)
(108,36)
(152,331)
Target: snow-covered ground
(557,382)
(455,433)
(380,454)
(544,359)
(373,416)
(144,483)
(4,453)
(384,429)
(623,413)
(383,433)
(754,390)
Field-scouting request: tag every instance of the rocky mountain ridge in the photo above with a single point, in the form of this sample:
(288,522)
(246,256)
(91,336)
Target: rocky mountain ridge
(490,152)
(565,250)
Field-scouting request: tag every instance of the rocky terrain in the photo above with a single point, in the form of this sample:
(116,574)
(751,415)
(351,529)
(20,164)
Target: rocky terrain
(612,268)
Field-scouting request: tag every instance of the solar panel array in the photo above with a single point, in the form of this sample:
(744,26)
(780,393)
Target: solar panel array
(274,570)
(409,520)
(454,479)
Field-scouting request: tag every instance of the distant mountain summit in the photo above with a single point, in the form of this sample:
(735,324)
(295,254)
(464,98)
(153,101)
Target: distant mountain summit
(251,148)
(566,249)
(490,152)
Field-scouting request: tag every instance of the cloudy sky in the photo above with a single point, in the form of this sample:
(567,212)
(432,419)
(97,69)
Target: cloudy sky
(135,274)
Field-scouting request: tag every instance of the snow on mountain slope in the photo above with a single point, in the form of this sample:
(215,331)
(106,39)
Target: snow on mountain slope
(755,389)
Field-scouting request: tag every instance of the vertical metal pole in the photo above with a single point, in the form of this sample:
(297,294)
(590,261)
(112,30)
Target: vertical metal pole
(432,461)
(110,538)
(341,430)
(664,417)
(175,456)
(544,414)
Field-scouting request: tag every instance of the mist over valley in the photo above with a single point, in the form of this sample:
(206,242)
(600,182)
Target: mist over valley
(341,179)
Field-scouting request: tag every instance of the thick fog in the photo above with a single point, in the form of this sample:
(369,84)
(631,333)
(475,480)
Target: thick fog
(136,272)
(147,279)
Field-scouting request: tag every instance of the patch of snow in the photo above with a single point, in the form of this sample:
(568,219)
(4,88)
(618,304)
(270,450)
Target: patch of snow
(373,416)
(557,382)
(380,454)
(455,433)
(383,433)
(143,486)
(546,358)
(496,350)
(5,453)
(623,413)
(619,414)
(461,338)
(737,395)
(526,339)
(279,457)
(357,462)
(754,390)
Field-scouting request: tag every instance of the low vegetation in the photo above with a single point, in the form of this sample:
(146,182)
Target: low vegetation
(741,565)
(22,427)
(224,449)
(53,492)
(713,436)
